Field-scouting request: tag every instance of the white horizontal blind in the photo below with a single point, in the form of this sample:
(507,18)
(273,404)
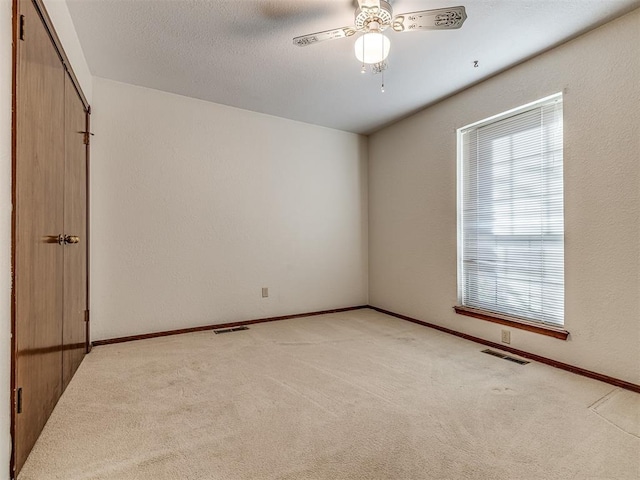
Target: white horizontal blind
(512,226)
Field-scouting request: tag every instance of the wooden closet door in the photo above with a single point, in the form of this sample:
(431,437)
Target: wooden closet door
(75,227)
(38,258)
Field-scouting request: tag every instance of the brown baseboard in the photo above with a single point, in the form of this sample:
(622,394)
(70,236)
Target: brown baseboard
(548,361)
(166,333)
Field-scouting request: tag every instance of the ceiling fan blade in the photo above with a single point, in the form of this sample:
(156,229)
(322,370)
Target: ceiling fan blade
(437,19)
(305,40)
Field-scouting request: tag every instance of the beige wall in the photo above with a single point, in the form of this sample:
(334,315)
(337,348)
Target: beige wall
(197,206)
(412,185)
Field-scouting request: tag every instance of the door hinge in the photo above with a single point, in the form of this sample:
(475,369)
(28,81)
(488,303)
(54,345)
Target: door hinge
(21,27)
(86,315)
(87,136)
(19,400)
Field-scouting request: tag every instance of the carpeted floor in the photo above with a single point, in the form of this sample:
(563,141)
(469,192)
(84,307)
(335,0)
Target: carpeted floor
(355,395)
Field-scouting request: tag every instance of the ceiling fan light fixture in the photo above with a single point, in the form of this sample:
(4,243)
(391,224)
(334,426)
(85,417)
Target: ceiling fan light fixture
(372,48)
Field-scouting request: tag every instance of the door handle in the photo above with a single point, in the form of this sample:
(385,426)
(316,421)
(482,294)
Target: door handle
(71,239)
(59,239)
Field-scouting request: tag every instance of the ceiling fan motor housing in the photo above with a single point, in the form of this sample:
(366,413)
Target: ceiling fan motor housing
(374,18)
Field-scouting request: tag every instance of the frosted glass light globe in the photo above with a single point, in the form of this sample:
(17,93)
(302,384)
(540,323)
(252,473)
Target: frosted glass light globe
(372,47)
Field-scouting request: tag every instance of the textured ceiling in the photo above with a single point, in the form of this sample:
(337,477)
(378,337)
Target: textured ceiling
(240,52)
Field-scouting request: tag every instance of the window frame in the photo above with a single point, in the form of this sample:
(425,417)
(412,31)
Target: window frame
(556,331)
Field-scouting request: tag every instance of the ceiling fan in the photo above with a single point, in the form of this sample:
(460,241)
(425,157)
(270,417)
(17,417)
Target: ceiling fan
(372,17)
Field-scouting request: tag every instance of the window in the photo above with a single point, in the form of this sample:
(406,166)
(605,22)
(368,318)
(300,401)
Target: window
(511,214)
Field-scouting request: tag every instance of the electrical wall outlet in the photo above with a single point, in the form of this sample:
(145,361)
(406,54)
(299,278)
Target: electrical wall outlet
(265,292)
(506,336)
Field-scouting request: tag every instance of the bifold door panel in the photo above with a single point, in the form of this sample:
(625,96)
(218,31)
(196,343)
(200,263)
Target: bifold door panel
(75,226)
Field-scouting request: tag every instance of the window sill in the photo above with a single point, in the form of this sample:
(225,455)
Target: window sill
(514,322)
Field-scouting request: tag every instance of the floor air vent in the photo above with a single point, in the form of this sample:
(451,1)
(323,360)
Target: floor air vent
(506,357)
(228,330)
(495,354)
(516,360)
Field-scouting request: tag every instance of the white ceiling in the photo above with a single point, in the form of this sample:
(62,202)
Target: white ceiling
(240,52)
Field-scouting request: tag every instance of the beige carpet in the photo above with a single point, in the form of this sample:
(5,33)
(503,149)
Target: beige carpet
(356,395)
